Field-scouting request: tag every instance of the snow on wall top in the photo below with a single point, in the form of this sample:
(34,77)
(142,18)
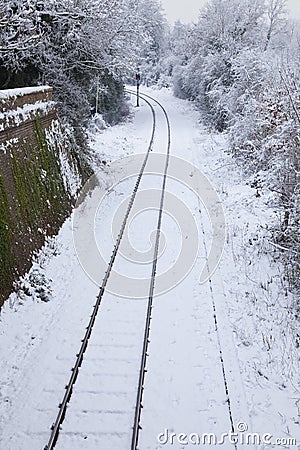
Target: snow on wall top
(14,118)
(11,99)
(22,105)
(19,92)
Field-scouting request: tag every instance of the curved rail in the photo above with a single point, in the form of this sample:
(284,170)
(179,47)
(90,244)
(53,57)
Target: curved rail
(79,357)
(139,399)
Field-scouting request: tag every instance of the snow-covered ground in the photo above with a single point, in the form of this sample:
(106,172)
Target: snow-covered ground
(253,348)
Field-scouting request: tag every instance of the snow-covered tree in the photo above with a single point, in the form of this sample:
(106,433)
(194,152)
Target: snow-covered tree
(277,18)
(20,38)
(154,28)
(240,64)
(224,28)
(77,46)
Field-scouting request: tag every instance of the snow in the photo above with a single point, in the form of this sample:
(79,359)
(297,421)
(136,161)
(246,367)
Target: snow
(184,385)
(17,116)
(14,117)
(71,179)
(5,146)
(20,92)
(60,140)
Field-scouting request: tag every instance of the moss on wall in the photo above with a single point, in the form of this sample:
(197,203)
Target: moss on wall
(5,236)
(33,197)
(40,192)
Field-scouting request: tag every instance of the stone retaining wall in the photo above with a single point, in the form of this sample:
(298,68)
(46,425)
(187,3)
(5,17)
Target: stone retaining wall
(34,200)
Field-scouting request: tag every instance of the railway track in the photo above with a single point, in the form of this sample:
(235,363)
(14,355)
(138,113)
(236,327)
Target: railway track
(103,401)
(80,357)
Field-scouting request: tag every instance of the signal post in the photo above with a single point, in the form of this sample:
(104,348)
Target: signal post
(138,82)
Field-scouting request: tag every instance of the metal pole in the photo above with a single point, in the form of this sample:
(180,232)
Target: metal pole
(138,93)
(97,96)
(138,82)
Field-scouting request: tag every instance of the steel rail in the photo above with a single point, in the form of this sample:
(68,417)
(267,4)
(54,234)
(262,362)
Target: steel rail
(218,336)
(84,343)
(139,399)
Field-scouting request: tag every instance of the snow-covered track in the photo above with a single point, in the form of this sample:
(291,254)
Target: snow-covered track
(55,429)
(80,357)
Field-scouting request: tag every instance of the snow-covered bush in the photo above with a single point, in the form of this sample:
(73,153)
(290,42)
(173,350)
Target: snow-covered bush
(264,134)
(241,68)
(248,112)
(34,285)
